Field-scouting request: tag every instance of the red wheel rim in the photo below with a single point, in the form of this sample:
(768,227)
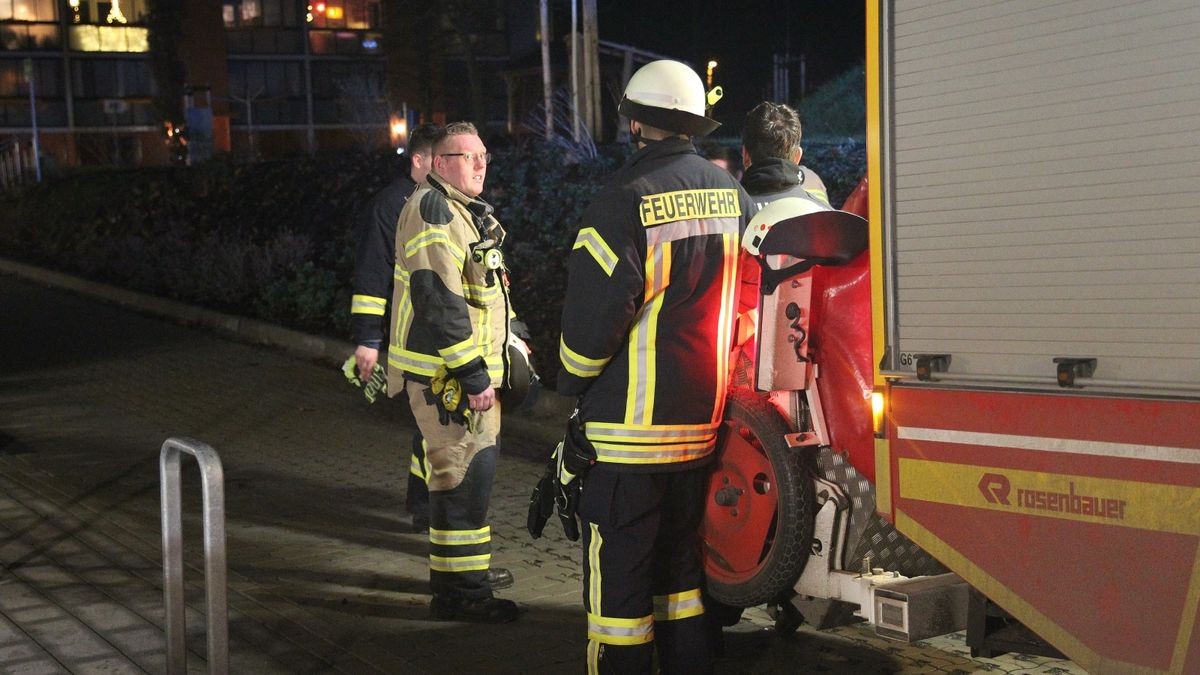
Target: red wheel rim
(741,509)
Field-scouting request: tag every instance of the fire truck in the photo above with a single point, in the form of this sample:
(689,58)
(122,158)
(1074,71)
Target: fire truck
(976,403)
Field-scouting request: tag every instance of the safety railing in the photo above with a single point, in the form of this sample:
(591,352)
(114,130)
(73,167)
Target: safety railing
(213,489)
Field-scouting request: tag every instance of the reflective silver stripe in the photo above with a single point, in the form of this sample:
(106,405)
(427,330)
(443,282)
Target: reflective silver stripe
(643,363)
(648,433)
(421,364)
(577,364)
(682,229)
(590,240)
(460,354)
(729,288)
(620,631)
(653,454)
(678,605)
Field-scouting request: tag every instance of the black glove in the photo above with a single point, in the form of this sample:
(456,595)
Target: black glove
(550,495)
(561,484)
(541,502)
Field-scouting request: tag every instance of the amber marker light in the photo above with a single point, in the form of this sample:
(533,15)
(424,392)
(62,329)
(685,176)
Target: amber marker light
(878,405)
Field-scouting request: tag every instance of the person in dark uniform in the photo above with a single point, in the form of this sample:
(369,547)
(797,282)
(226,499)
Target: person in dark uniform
(646,335)
(374,257)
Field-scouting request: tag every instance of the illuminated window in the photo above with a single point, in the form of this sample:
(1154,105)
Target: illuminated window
(28,10)
(109,39)
(352,14)
(109,12)
(254,13)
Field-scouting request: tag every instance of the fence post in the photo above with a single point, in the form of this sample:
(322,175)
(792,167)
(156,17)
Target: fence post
(213,488)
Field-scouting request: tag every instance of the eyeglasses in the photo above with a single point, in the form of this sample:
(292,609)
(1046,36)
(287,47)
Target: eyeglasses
(470,156)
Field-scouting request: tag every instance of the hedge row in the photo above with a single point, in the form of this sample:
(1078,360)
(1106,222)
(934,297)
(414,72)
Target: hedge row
(273,240)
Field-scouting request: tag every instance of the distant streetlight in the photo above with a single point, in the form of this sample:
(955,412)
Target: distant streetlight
(712,65)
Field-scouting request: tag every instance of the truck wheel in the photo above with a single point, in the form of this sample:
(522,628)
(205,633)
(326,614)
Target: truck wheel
(758,520)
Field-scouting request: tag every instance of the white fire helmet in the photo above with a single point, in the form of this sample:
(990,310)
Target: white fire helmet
(524,385)
(669,95)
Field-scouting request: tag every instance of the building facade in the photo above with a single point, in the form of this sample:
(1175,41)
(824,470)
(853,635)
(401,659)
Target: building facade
(264,78)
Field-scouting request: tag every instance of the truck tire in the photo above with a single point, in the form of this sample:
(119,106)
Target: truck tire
(758,520)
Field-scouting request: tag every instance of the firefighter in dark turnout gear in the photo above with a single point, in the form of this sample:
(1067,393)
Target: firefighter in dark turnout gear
(450,332)
(646,333)
(374,259)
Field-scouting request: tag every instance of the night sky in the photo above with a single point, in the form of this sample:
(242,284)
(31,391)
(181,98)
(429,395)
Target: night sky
(741,37)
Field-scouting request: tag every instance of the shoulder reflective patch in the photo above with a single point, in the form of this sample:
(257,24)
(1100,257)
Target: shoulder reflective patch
(667,207)
(591,241)
(435,208)
(431,238)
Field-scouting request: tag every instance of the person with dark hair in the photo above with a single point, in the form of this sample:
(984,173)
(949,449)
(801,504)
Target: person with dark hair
(451,332)
(771,151)
(646,334)
(374,258)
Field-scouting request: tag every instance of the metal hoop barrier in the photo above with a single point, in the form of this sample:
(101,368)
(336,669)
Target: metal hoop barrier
(213,488)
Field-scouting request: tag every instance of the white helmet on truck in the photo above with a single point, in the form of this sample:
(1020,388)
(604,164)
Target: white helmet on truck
(668,95)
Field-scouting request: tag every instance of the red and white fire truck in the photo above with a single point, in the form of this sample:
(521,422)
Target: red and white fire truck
(982,405)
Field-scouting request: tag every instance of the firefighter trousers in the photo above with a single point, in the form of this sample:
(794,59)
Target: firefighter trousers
(462,465)
(643,571)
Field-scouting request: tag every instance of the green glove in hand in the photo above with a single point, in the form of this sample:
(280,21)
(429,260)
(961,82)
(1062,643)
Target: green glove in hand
(374,386)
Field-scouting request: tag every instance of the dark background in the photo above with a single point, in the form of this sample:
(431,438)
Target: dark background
(742,37)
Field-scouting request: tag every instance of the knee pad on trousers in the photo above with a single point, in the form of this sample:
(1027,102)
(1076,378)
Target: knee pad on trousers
(466,505)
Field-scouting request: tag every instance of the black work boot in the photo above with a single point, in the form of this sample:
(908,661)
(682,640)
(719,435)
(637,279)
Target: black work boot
(477,610)
(498,577)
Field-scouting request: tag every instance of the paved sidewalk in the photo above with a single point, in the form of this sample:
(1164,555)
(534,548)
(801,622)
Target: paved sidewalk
(323,575)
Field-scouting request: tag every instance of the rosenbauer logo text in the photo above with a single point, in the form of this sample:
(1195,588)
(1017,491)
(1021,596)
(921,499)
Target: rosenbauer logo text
(997,489)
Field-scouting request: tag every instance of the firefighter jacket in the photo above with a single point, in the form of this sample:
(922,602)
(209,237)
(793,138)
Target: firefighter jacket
(774,178)
(374,258)
(450,305)
(648,317)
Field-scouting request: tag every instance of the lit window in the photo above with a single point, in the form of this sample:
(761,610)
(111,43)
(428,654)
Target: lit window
(251,11)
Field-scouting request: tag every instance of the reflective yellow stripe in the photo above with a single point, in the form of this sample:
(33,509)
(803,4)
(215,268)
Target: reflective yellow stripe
(620,453)
(434,237)
(590,240)
(460,354)
(593,657)
(819,194)
(367,304)
(466,563)
(729,287)
(578,364)
(613,631)
(417,468)
(595,574)
(413,362)
(643,357)
(650,433)
(460,537)
(481,294)
(678,605)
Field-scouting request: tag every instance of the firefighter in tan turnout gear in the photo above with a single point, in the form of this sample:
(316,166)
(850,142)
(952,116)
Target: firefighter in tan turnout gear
(450,329)
(646,334)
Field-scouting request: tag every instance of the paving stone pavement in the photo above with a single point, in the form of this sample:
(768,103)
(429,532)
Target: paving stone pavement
(323,575)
